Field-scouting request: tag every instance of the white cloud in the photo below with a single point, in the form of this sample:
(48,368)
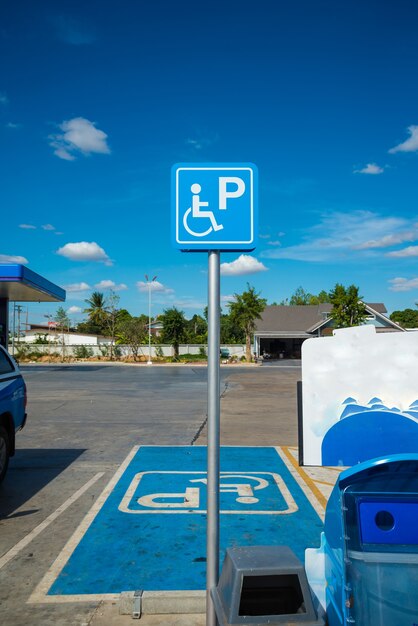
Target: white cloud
(344,236)
(74,287)
(73,310)
(109,284)
(13,125)
(227,299)
(7,258)
(48,227)
(410,145)
(79,136)
(188,303)
(405,252)
(3,98)
(27,226)
(154,286)
(403,284)
(370,168)
(61,152)
(84,251)
(202,141)
(244,264)
(389,240)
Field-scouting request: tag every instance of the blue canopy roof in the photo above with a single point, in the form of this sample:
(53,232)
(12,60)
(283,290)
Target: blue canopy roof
(20,284)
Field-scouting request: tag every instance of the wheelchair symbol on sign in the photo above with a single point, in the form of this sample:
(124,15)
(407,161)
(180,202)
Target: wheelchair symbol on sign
(195,211)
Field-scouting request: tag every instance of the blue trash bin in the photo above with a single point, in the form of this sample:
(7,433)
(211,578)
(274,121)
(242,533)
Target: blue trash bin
(370,544)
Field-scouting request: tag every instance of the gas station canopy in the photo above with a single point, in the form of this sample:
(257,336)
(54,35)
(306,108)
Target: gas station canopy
(20,284)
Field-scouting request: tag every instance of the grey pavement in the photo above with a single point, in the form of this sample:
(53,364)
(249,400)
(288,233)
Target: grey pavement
(83,421)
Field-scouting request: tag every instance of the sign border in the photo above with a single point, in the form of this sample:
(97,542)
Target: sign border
(194,245)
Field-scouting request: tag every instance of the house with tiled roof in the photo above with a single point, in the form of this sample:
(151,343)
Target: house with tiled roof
(282,329)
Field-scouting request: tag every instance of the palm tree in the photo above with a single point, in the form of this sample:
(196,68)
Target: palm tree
(97,310)
(244,310)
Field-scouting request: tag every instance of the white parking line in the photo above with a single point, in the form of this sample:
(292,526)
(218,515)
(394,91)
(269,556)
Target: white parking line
(39,594)
(10,554)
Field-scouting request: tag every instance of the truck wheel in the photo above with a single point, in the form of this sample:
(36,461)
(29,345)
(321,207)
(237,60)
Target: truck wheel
(4,452)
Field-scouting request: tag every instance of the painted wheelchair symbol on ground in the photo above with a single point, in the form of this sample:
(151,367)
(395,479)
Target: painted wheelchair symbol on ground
(239,493)
(148,528)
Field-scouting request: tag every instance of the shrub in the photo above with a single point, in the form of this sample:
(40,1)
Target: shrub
(82,352)
(159,352)
(20,351)
(104,350)
(41,339)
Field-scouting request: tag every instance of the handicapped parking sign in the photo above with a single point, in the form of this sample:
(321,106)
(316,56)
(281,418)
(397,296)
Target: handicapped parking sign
(214,206)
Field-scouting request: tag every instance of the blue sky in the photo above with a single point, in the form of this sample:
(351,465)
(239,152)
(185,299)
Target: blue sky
(99,99)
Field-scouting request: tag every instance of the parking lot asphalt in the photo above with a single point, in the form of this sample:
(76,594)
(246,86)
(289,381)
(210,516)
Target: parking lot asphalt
(83,422)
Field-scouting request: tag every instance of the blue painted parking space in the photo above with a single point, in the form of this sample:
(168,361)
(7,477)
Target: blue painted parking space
(150,533)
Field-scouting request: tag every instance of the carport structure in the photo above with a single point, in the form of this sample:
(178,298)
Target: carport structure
(20,284)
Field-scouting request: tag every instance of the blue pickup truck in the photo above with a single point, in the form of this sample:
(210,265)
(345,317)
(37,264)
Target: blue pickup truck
(12,408)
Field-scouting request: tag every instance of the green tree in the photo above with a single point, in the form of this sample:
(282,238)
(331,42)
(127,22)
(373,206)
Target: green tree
(123,315)
(133,332)
(61,318)
(63,325)
(347,307)
(408,318)
(196,329)
(96,310)
(229,331)
(300,297)
(321,298)
(111,319)
(244,311)
(174,328)
(89,328)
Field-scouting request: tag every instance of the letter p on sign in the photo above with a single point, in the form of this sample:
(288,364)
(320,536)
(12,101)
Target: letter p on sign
(238,189)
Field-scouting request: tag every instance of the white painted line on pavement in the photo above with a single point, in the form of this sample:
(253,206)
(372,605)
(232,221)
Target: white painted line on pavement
(39,595)
(10,554)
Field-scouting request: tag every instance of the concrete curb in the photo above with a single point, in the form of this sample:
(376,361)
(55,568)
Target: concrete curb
(162,602)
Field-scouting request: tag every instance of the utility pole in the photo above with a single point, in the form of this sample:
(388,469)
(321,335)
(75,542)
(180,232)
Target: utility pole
(14,328)
(149,282)
(19,308)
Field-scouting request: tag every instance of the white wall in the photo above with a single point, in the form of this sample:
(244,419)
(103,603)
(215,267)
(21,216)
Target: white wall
(234,350)
(69,339)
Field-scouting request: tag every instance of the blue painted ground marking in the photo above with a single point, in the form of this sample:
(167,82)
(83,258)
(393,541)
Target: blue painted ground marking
(151,532)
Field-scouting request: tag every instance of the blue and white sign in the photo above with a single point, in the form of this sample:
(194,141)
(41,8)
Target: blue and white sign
(214,206)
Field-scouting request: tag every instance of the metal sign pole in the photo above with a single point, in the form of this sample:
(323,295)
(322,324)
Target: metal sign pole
(212,533)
